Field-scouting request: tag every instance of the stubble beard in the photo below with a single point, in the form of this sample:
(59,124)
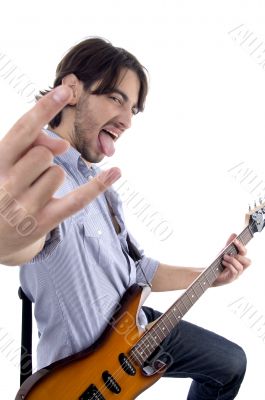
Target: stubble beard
(83,127)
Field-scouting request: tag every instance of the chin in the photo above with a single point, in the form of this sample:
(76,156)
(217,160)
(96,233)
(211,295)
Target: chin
(94,159)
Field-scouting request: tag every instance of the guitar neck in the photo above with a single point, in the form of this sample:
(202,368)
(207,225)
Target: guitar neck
(164,325)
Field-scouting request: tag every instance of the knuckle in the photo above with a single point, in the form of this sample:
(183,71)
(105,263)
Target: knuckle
(10,181)
(58,172)
(100,183)
(20,127)
(26,125)
(76,202)
(43,153)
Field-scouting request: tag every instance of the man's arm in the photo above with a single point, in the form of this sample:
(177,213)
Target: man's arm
(168,277)
(28,180)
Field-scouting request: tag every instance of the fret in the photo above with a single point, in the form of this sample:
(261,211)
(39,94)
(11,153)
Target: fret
(191,302)
(152,340)
(176,312)
(209,281)
(193,294)
(136,356)
(215,271)
(210,276)
(169,319)
(160,339)
(182,302)
(162,326)
(149,345)
(142,352)
(146,346)
(202,283)
(197,289)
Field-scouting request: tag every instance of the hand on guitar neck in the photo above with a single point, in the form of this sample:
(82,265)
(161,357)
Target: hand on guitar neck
(235,264)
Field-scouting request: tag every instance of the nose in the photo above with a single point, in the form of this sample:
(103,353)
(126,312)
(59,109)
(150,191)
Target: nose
(125,118)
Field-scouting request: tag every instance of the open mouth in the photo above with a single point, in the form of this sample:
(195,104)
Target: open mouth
(114,136)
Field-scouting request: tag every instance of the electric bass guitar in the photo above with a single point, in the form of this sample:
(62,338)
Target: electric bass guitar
(115,366)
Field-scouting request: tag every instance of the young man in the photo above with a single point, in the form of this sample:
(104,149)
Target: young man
(83,266)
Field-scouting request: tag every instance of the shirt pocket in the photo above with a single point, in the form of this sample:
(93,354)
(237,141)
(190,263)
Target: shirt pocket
(91,241)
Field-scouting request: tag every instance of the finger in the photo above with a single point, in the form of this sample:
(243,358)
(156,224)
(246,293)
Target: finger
(41,192)
(233,262)
(59,209)
(56,146)
(240,247)
(234,273)
(27,128)
(246,262)
(27,170)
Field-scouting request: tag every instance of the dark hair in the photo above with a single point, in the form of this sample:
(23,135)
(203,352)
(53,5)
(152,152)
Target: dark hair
(96,59)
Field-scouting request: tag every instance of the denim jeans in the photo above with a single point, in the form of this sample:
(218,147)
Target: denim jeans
(216,365)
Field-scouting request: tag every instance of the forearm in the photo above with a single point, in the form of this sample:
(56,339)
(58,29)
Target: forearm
(169,277)
(24,255)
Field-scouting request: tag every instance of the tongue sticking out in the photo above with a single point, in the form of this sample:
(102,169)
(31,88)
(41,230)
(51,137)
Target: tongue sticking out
(106,143)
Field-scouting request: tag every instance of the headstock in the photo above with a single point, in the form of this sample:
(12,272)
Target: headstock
(255,218)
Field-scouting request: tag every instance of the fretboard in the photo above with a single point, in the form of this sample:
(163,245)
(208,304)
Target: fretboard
(164,325)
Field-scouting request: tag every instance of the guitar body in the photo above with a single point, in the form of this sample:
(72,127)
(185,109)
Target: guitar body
(103,371)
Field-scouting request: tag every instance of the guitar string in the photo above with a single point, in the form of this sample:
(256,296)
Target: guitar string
(144,346)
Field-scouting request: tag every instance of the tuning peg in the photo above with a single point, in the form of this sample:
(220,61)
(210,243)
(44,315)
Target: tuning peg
(260,200)
(249,207)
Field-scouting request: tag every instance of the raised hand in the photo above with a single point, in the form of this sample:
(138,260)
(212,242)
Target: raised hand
(28,180)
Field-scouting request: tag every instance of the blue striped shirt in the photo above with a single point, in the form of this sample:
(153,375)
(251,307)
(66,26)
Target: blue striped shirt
(79,277)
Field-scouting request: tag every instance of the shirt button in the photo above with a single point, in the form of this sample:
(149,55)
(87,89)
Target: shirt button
(99,232)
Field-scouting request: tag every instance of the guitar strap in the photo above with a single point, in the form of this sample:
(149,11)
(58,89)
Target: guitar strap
(26,325)
(26,337)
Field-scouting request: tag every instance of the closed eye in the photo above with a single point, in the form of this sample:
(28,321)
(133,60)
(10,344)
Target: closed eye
(120,101)
(116,99)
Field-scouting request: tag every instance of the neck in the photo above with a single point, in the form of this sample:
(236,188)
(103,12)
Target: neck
(59,132)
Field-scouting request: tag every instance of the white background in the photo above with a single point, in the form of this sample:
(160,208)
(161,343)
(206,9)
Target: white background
(204,115)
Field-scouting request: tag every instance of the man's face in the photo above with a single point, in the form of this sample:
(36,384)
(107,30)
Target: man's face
(101,119)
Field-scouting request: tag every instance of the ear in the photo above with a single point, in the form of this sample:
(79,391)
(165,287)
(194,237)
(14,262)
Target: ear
(75,85)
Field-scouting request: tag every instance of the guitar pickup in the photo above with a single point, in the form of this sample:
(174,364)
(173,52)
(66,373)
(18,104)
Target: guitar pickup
(92,393)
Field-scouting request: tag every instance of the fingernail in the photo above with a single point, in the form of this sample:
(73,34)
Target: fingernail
(61,94)
(110,176)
